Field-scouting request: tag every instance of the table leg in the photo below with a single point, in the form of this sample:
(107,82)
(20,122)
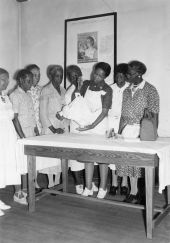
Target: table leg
(31,160)
(168,194)
(149,183)
(64,166)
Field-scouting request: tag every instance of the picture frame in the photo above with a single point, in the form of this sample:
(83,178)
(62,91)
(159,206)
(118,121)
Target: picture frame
(88,40)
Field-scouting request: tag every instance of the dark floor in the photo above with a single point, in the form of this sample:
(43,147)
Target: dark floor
(59,219)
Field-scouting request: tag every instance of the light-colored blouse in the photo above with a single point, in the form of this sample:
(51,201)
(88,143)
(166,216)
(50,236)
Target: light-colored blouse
(51,102)
(23,105)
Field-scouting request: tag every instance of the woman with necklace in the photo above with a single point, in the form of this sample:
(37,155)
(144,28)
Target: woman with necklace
(137,98)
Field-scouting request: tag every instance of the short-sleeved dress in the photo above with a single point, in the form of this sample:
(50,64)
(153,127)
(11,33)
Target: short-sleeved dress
(116,109)
(135,100)
(51,102)
(9,168)
(23,105)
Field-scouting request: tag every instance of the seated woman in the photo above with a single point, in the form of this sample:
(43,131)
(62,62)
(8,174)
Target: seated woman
(138,97)
(98,96)
(9,175)
(90,51)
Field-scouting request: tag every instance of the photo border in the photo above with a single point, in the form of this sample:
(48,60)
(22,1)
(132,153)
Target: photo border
(67,21)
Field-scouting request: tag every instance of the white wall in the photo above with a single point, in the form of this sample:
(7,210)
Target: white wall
(9,36)
(143,34)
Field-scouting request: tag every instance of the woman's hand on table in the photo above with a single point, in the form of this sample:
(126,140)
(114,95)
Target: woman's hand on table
(56,130)
(36,131)
(59,130)
(88,127)
(59,117)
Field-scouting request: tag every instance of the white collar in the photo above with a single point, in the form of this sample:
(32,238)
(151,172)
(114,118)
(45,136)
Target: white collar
(140,86)
(21,90)
(122,88)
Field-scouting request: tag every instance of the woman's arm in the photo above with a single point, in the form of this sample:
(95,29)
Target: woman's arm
(155,117)
(36,131)
(44,99)
(102,115)
(122,125)
(17,126)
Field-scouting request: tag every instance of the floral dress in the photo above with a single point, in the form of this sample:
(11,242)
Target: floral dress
(35,95)
(135,100)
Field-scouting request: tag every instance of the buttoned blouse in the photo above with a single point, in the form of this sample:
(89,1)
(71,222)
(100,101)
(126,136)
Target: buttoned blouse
(117,99)
(51,102)
(23,105)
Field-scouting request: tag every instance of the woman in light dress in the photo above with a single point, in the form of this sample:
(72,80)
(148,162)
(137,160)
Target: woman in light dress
(9,171)
(120,74)
(24,122)
(74,76)
(52,100)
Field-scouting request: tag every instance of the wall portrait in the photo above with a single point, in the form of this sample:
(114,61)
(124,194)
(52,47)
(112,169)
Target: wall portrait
(87,47)
(89,40)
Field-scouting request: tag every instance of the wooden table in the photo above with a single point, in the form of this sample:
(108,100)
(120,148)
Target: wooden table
(83,148)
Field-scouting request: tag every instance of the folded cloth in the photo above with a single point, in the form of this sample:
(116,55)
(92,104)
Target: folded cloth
(79,111)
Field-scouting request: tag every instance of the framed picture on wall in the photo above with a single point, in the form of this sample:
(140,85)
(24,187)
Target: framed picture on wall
(89,40)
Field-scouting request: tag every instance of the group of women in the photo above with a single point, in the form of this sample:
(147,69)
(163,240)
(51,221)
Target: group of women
(35,111)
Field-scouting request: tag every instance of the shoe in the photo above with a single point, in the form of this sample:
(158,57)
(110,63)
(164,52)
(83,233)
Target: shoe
(1,213)
(123,190)
(94,187)
(87,192)
(113,190)
(79,189)
(4,206)
(102,193)
(134,199)
(38,190)
(20,197)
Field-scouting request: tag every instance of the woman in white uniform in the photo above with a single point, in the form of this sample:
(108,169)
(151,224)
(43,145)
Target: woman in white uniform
(9,173)
(98,96)
(24,122)
(114,115)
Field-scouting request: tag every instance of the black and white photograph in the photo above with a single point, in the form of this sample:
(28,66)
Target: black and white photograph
(84,121)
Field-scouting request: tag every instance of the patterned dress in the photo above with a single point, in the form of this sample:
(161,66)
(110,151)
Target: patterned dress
(135,100)
(35,95)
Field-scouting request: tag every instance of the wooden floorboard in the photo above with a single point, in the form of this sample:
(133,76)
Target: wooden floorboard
(60,219)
